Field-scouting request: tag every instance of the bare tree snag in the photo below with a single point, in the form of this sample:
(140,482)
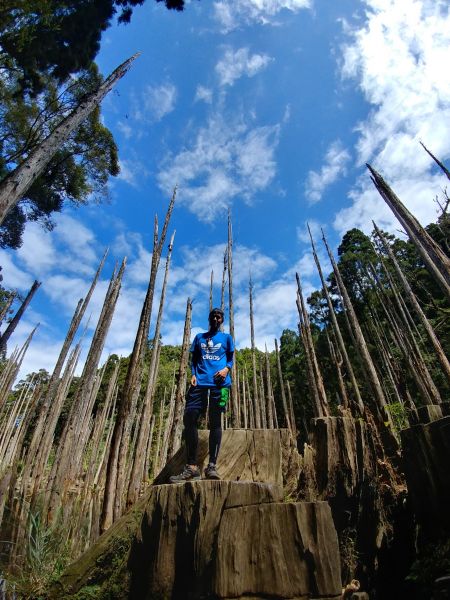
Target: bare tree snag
(44,432)
(7,306)
(291,410)
(271,399)
(234,390)
(69,458)
(438,162)
(15,320)
(322,406)
(282,392)
(211,291)
(437,263)
(337,330)
(138,460)
(369,367)
(128,398)
(256,400)
(224,275)
(175,435)
(415,304)
(15,184)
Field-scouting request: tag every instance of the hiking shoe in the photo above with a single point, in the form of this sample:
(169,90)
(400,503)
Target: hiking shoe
(211,472)
(188,474)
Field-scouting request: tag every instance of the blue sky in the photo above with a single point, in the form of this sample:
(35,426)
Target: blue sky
(269,107)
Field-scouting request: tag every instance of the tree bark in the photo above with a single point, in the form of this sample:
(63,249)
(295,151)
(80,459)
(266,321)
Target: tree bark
(337,330)
(15,320)
(415,304)
(369,367)
(15,184)
(234,390)
(437,263)
(175,435)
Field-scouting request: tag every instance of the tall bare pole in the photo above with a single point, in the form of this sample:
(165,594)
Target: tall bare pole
(15,184)
(234,390)
(437,263)
(369,367)
(283,393)
(415,304)
(322,407)
(15,320)
(130,392)
(438,162)
(211,291)
(138,460)
(337,330)
(224,278)
(256,400)
(175,434)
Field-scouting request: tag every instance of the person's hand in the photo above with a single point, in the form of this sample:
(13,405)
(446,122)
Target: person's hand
(220,375)
(193,380)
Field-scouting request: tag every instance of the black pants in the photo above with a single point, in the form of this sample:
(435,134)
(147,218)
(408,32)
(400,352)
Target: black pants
(196,405)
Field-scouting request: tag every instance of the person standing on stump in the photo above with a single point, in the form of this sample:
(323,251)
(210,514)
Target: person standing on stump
(212,358)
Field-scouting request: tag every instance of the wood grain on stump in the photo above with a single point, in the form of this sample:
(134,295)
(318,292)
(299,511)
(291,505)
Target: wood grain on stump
(215,539)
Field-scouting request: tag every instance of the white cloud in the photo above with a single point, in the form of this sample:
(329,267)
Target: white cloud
(397,58)
(317,182)
(236,63)
(37,252)
(155,103)
(14,278)
(226,160)
(131,171)
(125,129)
(77,237)
(316,231)
(234,13)
(203,93)
(367,205)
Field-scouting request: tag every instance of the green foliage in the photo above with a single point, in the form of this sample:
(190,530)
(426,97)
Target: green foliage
(399,415)
(57,38)
(79,170)
(434,562)
(47,555)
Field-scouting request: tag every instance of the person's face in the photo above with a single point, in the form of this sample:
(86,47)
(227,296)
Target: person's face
(215,320)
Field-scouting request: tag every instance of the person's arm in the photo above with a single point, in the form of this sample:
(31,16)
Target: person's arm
(222,374)
(193,361)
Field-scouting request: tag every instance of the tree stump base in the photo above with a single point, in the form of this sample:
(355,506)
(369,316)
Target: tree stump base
(215,539)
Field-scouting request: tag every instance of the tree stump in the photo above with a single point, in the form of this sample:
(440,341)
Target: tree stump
(215,539)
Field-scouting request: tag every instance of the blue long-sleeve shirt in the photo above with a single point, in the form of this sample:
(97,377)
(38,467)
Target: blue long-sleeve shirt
(211,353)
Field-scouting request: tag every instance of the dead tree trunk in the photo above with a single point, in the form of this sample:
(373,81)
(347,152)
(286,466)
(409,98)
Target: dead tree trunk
(234,391)
(270,396)
(337,331)
(43,435)
(7,306)
(175,435)
(415,304)
(438,162)
(282,392)
(137,462)
(15,320)
(69,459)
(211,291)
(369,367)
(256,400)
(128,397)
(437,263)
(321,401)
(15,184)
(224,275)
